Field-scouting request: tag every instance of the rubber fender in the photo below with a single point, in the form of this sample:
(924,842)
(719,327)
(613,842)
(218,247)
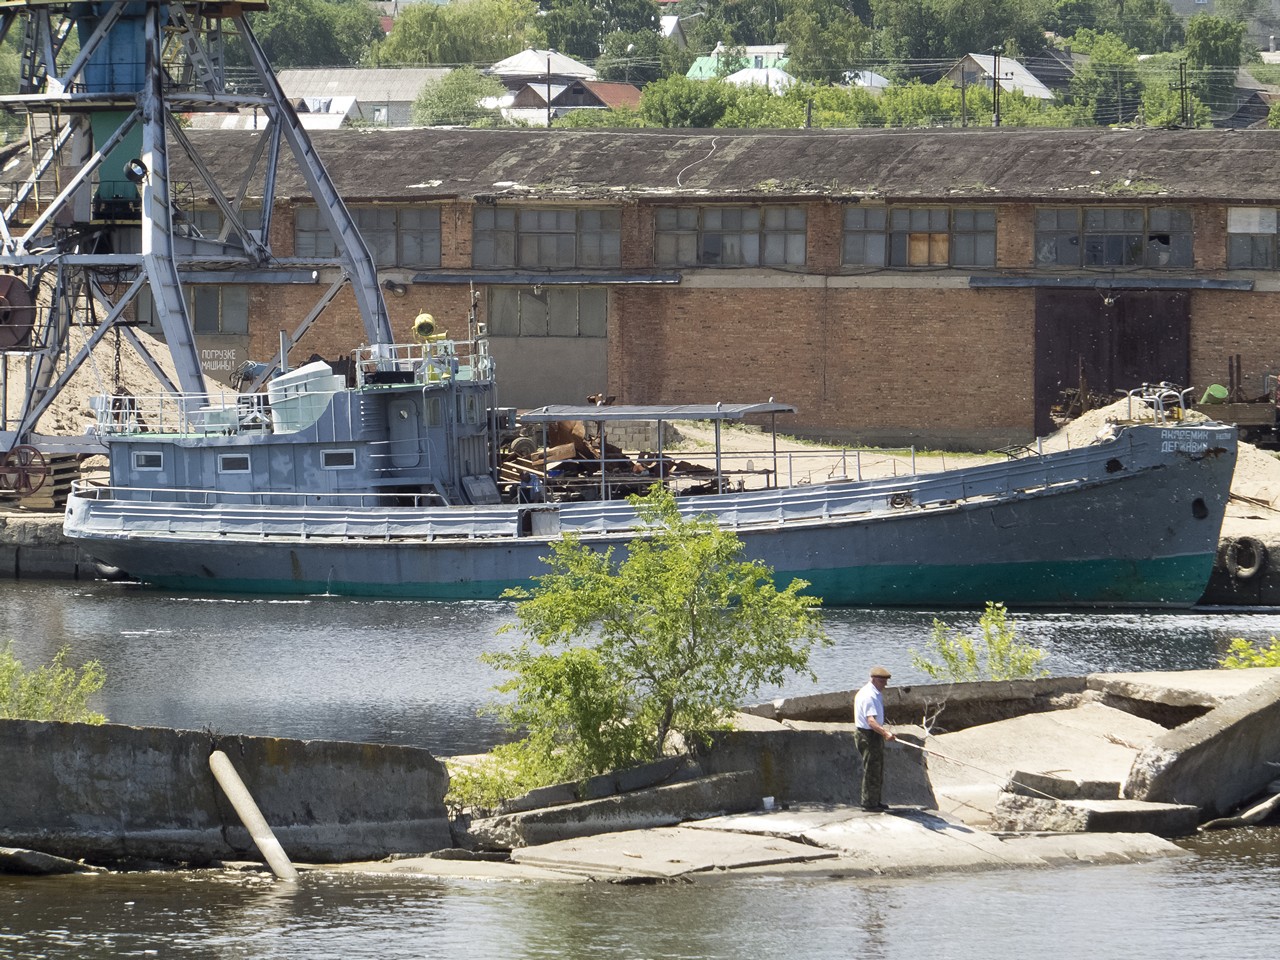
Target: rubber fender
(1246,557)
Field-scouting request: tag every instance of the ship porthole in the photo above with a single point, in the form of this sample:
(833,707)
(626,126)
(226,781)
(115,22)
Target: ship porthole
(1198,508)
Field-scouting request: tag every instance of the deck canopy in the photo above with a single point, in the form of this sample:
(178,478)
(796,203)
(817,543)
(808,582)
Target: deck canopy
(678,411)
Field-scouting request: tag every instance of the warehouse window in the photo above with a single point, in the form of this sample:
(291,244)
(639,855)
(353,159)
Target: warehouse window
(214,308)
(865,241)
(395,236)
(547,311)
(1158,237)
(1251,238)
(919,236)
(546,237)
(730,236)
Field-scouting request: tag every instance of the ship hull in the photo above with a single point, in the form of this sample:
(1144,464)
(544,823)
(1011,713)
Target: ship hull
(1129,523)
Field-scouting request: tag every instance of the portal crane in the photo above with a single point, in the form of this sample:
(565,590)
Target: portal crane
(93,231)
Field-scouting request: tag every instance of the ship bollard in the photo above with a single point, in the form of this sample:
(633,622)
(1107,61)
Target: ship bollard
(251,816)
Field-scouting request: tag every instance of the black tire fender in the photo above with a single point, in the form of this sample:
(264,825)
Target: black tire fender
(1246,557)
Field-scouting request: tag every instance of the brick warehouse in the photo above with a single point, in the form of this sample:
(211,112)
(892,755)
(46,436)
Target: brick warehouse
(932,287)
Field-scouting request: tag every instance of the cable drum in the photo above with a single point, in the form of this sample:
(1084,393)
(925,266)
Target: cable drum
(17,312)
(1246,557)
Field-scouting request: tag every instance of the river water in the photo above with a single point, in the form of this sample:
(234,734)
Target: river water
(407,672)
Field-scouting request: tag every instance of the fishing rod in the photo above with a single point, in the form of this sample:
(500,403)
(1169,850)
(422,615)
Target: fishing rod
(966,763)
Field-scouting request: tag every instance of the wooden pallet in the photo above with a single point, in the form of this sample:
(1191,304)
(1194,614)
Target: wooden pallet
(52,495)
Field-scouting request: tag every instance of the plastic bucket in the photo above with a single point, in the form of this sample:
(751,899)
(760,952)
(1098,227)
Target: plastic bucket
(1215,394)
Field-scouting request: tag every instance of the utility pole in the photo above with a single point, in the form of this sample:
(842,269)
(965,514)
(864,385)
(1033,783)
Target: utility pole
(995,87)
(549,53)
(1182,87)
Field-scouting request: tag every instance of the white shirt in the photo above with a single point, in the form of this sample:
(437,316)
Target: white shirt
(868,703)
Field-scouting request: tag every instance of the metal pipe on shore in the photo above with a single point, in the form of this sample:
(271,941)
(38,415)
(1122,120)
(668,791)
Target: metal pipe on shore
(251,816)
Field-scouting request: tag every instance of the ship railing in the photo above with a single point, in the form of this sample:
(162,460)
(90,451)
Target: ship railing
(1166,401)
(435,359)
(322,502)
(182,413)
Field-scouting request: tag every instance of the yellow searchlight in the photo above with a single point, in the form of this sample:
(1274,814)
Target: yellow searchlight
(424,328)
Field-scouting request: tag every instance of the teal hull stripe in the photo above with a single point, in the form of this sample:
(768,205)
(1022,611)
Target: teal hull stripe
(1170,581)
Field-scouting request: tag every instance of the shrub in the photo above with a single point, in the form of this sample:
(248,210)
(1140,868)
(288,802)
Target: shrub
(55,691)
(995,654)
(1242,654)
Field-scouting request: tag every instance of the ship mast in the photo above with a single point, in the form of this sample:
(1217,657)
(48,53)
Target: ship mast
(93,222)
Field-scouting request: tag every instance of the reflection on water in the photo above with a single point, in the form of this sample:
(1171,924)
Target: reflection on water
(407,672)
(1220,902)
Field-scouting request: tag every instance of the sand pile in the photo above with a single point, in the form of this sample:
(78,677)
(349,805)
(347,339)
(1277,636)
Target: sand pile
(69,413)
(1255,484)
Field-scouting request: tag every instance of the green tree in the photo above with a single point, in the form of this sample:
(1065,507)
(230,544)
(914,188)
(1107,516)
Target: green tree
(55,691)
(574,28)
(462,32)
(995,654)
(681,102)
(616,118)
(916,104)
(1107,88)
(639,57)
(1215,50)
(315,33)
(619,654)
(1149,26)
(11,123)
(1241,654)
(928,29)
(1162,100)
(455,98)
(824,40)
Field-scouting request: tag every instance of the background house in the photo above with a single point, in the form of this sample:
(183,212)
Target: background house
(535,103)
(758,57)
(380,97)
(977,69)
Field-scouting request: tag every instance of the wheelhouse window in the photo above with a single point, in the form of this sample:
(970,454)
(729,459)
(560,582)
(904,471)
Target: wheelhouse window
(1154,237)
(148,460)
(395,236)
(1251,238)
(338,459)
(771,235)
(548,310)
(546,237)
(919,236)
(233,463)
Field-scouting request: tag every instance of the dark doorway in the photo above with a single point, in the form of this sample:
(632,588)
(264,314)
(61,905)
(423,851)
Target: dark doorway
(1110,341)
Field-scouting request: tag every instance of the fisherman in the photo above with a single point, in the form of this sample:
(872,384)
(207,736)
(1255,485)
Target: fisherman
(870,734)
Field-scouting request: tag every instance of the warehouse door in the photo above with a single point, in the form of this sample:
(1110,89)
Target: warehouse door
(1107,341)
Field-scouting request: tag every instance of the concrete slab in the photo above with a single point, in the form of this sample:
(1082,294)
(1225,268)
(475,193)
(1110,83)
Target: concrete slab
(1094,848)
(1208,687)
(655,807)
(1089,742)
(33,862)
(432,868)
(665,853)
(1031,814)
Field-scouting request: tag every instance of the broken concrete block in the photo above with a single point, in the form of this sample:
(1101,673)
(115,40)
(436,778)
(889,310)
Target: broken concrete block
(1022,814)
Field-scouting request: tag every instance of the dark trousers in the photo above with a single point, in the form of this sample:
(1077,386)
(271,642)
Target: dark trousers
(871,750)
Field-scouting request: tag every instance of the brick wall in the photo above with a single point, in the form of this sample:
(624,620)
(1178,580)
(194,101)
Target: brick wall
(951,367)
(878,357)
